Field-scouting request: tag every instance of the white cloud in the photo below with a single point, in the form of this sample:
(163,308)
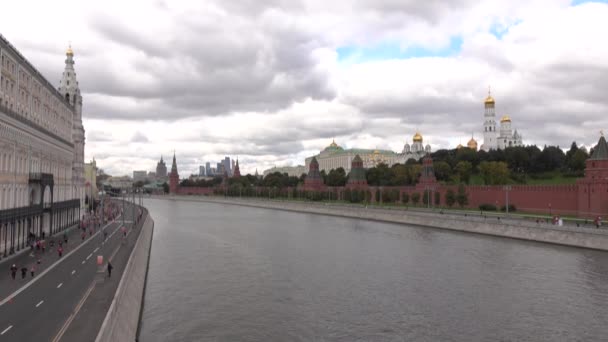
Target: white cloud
(262,80)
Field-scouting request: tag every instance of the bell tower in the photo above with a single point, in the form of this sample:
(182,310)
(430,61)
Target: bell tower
(489,125)
(69,88)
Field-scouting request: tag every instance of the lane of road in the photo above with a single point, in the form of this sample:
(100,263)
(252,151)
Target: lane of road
(41,309)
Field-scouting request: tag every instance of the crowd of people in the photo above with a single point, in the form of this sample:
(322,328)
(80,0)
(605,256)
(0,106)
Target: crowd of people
(39,244)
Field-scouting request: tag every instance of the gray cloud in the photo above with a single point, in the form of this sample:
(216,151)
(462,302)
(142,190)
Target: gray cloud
(139,137)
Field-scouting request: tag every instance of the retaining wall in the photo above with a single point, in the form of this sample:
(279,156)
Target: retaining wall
(122,320)
(570,236)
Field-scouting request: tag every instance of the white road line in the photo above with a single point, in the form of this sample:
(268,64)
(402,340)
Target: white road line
(83,261)
(74,271)
(58,286)
(37,305)
(40,275)
(90,255)
(96,249)
(5,330)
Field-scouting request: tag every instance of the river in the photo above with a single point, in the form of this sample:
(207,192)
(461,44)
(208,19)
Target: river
(231,273)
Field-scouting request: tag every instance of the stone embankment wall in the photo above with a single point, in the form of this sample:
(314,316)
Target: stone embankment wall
(511,228)
(122,320)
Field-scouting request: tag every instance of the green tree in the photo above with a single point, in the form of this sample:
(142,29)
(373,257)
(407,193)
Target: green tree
(450,198)
(405,198)
(336,177)
(578,159)
(415,198)
(494,173)
(443,171)
(166,187)
(464,169)
(462,197)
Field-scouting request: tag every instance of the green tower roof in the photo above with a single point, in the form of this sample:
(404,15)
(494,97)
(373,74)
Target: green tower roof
(600,152)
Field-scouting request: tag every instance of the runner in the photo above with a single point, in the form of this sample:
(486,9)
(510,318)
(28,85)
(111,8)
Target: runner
(110,267)
(14,271)
(32,270)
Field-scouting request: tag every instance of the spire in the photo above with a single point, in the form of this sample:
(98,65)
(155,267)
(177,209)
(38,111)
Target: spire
(600,152)
(174,165)
(237,171)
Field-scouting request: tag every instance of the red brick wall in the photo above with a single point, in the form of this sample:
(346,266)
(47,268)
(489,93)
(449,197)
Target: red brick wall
(193,190)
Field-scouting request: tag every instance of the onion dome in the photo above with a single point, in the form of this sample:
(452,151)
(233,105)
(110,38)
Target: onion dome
(489,100)
(69,52)
(505,118)
(472,144)
(417,137)
(459,146)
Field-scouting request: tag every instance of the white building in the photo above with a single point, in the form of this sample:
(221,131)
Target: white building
(295,171)
(42,148)
(498,139)
(140,176)
(334,156)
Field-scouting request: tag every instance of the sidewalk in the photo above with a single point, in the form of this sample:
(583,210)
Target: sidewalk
(30,258)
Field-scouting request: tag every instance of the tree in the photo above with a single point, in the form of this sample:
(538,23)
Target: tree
(336,177)
(442,170)
(405,198)
(494,173)
(415,198)
(166,187)
(578,159)
(450,198)
(463,169)
(462,197)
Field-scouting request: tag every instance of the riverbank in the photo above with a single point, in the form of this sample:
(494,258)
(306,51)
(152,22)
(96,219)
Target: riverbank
(510,228)
(122,320)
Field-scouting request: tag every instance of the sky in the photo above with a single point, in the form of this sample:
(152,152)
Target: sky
(274,81)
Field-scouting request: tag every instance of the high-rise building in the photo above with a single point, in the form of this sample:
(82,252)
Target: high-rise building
(208,169)
(161,169)
(227,166)
(201,171)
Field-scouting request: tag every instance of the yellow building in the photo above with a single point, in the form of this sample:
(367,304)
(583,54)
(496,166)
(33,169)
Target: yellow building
(90,179)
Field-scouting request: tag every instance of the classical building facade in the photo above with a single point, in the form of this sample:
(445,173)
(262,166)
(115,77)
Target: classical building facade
(334,156)
(295,171)
(42,184)
(502,138)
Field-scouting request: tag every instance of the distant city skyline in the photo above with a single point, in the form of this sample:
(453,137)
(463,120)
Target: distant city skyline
(367,74)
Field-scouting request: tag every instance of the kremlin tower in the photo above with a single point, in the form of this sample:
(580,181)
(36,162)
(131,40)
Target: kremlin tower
(173,177)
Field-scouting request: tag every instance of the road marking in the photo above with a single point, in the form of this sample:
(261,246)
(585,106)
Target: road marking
(83,261)
(73,271)
(37,305)
(74,313)
(90,255)
(5,330)
(24,287)
(96,249)
(58,286)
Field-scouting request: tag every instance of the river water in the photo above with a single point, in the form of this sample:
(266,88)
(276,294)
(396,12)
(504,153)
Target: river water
(230,273)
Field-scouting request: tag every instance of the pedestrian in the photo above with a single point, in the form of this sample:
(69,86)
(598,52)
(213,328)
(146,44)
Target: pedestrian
(14,271)
(110,267)
(39,261)
(83,235)
(65,238)
(60,251)
(42,244)
(43,234)
(32,270)
(23,272)
(60,243)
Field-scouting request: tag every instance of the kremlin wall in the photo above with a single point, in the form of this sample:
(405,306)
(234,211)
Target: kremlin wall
(588,198)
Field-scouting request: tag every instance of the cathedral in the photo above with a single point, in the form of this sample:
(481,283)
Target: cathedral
(502,138)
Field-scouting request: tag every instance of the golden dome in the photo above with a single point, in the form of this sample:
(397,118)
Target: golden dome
(417,137)
(505,118)
(376,151)
(69,51)
(472,144)
(489,100)
(459,146)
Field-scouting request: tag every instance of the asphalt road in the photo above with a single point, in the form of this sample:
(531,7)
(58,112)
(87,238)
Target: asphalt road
(43,310)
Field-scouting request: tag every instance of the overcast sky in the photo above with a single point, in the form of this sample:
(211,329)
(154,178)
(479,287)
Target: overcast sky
(274,81)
